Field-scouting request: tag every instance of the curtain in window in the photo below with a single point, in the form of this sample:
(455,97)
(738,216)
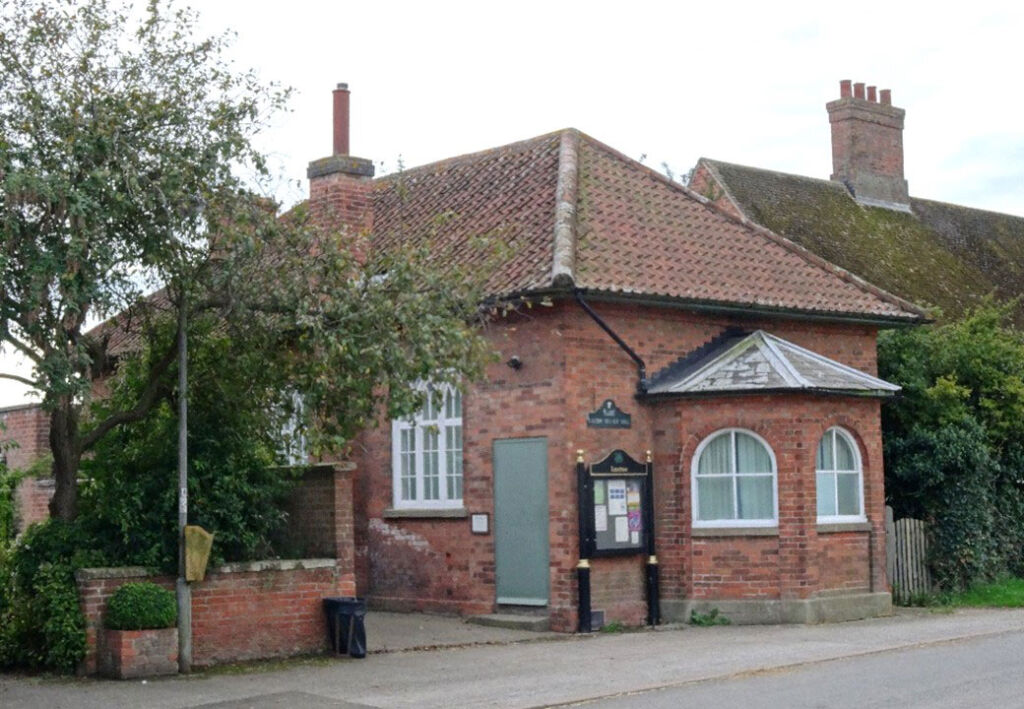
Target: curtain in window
(735,479)
(838,477)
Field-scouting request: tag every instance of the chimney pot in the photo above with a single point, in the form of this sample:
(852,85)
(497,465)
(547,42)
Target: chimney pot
(886,96)
(858,90)
(341,95)
(872,97)
(845,90)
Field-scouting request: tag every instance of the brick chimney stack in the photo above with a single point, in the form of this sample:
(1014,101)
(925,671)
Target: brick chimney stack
(867,145)
(339,185)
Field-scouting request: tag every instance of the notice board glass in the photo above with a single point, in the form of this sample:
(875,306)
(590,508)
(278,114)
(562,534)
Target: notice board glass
(614,506)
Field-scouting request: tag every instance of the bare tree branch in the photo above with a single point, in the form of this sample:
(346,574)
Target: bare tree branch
(24,380)
(22,347)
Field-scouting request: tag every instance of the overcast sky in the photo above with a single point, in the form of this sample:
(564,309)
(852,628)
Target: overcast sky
(666,81)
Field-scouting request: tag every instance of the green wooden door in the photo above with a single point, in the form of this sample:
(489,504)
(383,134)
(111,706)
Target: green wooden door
(521,521)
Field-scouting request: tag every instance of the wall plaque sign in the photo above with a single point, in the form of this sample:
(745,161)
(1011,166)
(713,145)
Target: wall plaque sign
(608,415)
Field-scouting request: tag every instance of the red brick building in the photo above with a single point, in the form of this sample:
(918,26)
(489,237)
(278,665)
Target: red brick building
(742,361)
(738,361)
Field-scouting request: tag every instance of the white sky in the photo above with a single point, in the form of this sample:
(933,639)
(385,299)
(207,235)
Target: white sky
(736,81)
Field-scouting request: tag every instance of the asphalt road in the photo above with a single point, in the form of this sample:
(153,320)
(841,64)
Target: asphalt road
(963,659)
(980,672)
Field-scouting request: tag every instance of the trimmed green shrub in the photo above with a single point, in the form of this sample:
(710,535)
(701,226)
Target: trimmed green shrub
(141,606)
(41,624)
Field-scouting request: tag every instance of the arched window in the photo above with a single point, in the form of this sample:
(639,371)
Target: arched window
(733,478)
(839,480)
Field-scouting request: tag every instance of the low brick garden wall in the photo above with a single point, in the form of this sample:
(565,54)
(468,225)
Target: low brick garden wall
(248,611)
(258,609)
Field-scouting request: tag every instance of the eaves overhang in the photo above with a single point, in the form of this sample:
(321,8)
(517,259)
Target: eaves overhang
(747,310)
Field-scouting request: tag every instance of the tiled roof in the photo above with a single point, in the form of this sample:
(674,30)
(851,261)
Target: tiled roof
(937,255)
(577,213)
(508,192)
(737,363)
(641,233)
(124,332)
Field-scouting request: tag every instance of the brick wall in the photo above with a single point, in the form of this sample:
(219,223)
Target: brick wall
(32,502)
(797,561)
(320,513)
(29,427)
(437,564)
(704,183)
(259,609)
(239,612)
(569,367)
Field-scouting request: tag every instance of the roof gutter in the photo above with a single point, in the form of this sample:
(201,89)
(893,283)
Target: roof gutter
(812,391)
(641,385)
(737,310)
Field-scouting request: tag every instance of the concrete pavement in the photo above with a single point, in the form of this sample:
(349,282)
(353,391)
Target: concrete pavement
(487,668)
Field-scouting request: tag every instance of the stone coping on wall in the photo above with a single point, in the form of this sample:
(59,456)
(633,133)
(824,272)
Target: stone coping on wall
(133,572)
(440,513)
(112,572)
(844,527)
(19,407)
(342,465)
(734,532)
(274,565)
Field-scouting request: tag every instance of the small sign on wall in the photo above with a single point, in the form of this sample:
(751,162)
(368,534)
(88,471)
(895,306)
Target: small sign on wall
(608,415)
(479,523)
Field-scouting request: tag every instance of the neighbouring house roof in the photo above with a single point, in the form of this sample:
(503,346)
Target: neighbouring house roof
(739,363)
(576,213)
(124,332)
(937,254)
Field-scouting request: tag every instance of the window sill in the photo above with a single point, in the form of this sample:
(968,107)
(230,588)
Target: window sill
(734,532)
(426,513)
(830,527)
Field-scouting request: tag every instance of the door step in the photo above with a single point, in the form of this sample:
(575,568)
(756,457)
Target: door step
(512,621)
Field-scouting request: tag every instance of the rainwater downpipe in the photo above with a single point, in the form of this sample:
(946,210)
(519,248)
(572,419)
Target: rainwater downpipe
(641,385)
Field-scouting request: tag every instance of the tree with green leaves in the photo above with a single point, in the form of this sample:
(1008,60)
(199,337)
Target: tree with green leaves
(954,439)
(123,147)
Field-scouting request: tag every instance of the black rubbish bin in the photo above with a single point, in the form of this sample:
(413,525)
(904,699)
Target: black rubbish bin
(346,626)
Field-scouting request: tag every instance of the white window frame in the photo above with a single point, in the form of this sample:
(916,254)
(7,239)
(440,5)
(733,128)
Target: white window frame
(838,431)
(419,427)
(694,495)
(294,446)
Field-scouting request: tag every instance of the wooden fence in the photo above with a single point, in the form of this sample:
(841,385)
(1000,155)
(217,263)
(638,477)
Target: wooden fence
(906,557)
